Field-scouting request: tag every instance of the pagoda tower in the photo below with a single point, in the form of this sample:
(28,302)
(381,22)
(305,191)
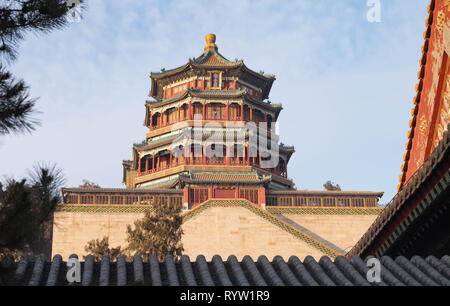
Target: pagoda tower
(211,133)
(212,149)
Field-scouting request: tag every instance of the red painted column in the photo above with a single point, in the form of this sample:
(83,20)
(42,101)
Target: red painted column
(190,111)
(259,155)
(139,165)
(151,121)
(204,155)
(170,159)
(210,193)
(227,116)
(242,112)
(204,112)
(248,154)
(183,156)
(262,200)
(179,114)
(146,165)
(153,163)
(251,114)
(186,198)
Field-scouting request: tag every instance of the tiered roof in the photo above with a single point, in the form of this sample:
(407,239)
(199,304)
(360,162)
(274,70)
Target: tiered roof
(210,59)
(222,94)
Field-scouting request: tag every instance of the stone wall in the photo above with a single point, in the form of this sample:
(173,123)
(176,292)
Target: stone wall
(237,231)
(218,230)
(72,230)
(343,231)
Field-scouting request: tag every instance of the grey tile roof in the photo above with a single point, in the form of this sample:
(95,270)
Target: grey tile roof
(262,272)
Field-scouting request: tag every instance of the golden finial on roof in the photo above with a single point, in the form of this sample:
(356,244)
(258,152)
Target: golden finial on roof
(210,42)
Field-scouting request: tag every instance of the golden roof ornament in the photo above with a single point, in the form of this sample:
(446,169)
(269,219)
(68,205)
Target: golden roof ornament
(210,42)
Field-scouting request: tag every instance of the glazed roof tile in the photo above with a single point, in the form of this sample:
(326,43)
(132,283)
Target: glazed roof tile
(400,271)
(225,177)
(207,177)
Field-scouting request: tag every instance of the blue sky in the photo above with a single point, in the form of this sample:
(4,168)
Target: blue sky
(346,85)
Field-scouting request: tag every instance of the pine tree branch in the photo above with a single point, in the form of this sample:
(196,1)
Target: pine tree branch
(16,108)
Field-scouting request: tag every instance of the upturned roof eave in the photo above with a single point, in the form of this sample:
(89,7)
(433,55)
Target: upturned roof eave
(238,93)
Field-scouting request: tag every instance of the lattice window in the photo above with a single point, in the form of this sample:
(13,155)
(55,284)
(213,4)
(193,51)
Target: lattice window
(146,199)
(117,199)
(131,199)
(285,201)
(101,199)
(371,202)
(235,112)
(357,202)
(176,201)
(314,202)
(72,199)
(87,199)
(249,194)
(216,111)
(329,202)
(343,202)
(300,201)
(198,195)
(198,109)
(272,201)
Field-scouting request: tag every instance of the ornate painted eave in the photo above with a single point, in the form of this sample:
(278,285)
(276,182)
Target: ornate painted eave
(219,94)
(208,60)
(232,178)
(156,143)
(418,97)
